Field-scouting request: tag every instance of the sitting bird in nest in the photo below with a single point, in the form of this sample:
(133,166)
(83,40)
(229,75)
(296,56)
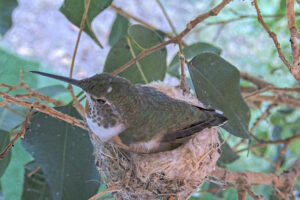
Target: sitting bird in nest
(139,118)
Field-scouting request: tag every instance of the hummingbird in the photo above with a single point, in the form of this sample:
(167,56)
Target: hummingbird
(139,117)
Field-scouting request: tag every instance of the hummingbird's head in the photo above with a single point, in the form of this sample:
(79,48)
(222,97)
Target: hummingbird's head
(107,87)
(101,87)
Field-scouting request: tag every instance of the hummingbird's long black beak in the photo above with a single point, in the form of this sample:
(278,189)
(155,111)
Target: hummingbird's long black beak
(61,78)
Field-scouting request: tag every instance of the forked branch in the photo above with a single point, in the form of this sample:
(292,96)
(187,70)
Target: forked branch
(192,24)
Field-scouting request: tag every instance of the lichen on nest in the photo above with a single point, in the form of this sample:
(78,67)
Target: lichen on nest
(171,174)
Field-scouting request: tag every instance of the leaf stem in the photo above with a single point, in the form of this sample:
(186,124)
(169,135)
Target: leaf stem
(137,63)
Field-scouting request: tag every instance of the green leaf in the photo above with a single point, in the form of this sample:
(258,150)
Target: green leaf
(189,52)
(8,119)
(73,10)
(10,66)
(12,179)
(261,134)
(1,193)
(4,141)
(6,9)
(52,90)
(281,7)
(276,132)
(216,84)
(65,155)
(298,23)
(118,29)
(286,111)
(227,155)
(35,186)
(150,68)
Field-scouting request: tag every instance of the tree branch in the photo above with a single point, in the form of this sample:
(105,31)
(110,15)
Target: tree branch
(262,117)
(279,99)
(31,93)
(284,182)
(189,27)
(294,69)
(77,105)
(271,34)
(20,134)
(44,109)
(263,143)
(183,84)
(257,81)
(293,39)
(130,16)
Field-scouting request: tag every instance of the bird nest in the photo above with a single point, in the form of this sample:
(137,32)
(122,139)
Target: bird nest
(174,174)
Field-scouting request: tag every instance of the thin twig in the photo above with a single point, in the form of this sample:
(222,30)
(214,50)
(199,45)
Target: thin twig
(20,134)
(262,117)
(41,97)
(266,143)
(189,27)
(271,89)
(242,17)
(110,189)
(44,109)
(14,111)
(83,19)
(218,32)
(31,93)
(183,84)
(130,16)
(271,34)
(281,156)
(77,105)
(279,99)
(257,81)
(167,17)
(252,193)
(30,174)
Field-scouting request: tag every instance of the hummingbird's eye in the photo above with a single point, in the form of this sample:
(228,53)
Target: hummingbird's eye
(101,101)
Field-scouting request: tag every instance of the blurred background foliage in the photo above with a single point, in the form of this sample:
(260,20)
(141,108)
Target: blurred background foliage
(39,37)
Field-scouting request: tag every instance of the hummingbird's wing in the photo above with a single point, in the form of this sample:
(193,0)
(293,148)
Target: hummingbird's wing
(216,119)
(166,119)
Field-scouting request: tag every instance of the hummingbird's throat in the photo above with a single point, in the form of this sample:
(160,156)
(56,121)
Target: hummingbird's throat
(102,118)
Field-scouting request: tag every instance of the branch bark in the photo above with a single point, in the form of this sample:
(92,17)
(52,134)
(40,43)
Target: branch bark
(44,109)
(271,34)
(283,182)
(20,134)
(293,39)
